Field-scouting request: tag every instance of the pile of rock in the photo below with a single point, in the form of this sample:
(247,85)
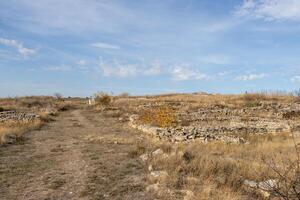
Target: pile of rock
(227,124)
(17,116)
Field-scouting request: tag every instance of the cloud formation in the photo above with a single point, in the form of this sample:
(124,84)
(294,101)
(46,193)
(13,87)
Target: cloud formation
(19,46)
(270,10)
(183,73)
(115,69)
(250,77)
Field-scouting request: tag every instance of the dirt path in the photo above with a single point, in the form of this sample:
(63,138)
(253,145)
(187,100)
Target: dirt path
(81,155)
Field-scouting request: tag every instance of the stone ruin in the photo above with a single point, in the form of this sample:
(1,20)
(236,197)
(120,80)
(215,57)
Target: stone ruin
(14,116)
(227,124)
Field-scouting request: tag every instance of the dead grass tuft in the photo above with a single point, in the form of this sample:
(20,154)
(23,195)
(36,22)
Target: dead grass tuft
(14,131)
(217,170)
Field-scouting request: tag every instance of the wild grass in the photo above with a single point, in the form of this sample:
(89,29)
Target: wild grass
(44,106)
(217,170)
(37,103)
(14,131)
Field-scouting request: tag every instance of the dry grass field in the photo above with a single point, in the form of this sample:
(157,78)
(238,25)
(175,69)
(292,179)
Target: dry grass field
(218,170)
(43,107)
(114,160)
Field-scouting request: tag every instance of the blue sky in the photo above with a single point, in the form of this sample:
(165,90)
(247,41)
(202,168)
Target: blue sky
(78,47)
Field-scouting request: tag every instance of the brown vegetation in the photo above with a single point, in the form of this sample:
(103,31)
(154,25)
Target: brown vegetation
(13,131)
(213,170)
(162,116)
(102,99)
(217,170)
(43,106)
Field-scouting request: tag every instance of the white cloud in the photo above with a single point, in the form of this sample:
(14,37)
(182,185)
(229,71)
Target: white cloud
(105,46)
(19,46)
(62,68)
(250,77)
(270,9)
(111,69)
(295,79)
(182,73)
(123,71)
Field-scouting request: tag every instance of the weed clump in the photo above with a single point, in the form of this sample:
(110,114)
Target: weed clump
(103,99)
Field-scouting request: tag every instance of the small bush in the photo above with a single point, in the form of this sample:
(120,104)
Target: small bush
(253,100)
(162,116)
(30,103)
(1,109)
(285,173)
(102,99)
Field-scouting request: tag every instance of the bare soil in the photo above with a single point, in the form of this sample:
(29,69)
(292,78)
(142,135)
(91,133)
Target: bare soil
(80,155)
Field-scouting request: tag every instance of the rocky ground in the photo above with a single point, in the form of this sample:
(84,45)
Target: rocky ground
(225,123)
(15,116)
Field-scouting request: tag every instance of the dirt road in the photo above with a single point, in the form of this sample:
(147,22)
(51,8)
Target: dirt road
(80,155)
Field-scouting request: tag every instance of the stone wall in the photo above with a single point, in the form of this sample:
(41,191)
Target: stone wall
(17,116)
(227,124)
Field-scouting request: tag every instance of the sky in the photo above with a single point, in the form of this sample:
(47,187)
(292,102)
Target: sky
(79,47)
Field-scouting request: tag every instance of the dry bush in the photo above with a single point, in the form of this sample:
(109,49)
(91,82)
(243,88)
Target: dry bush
(162,116)
(225,167)
(102,99)
(286,174)
(138,148)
